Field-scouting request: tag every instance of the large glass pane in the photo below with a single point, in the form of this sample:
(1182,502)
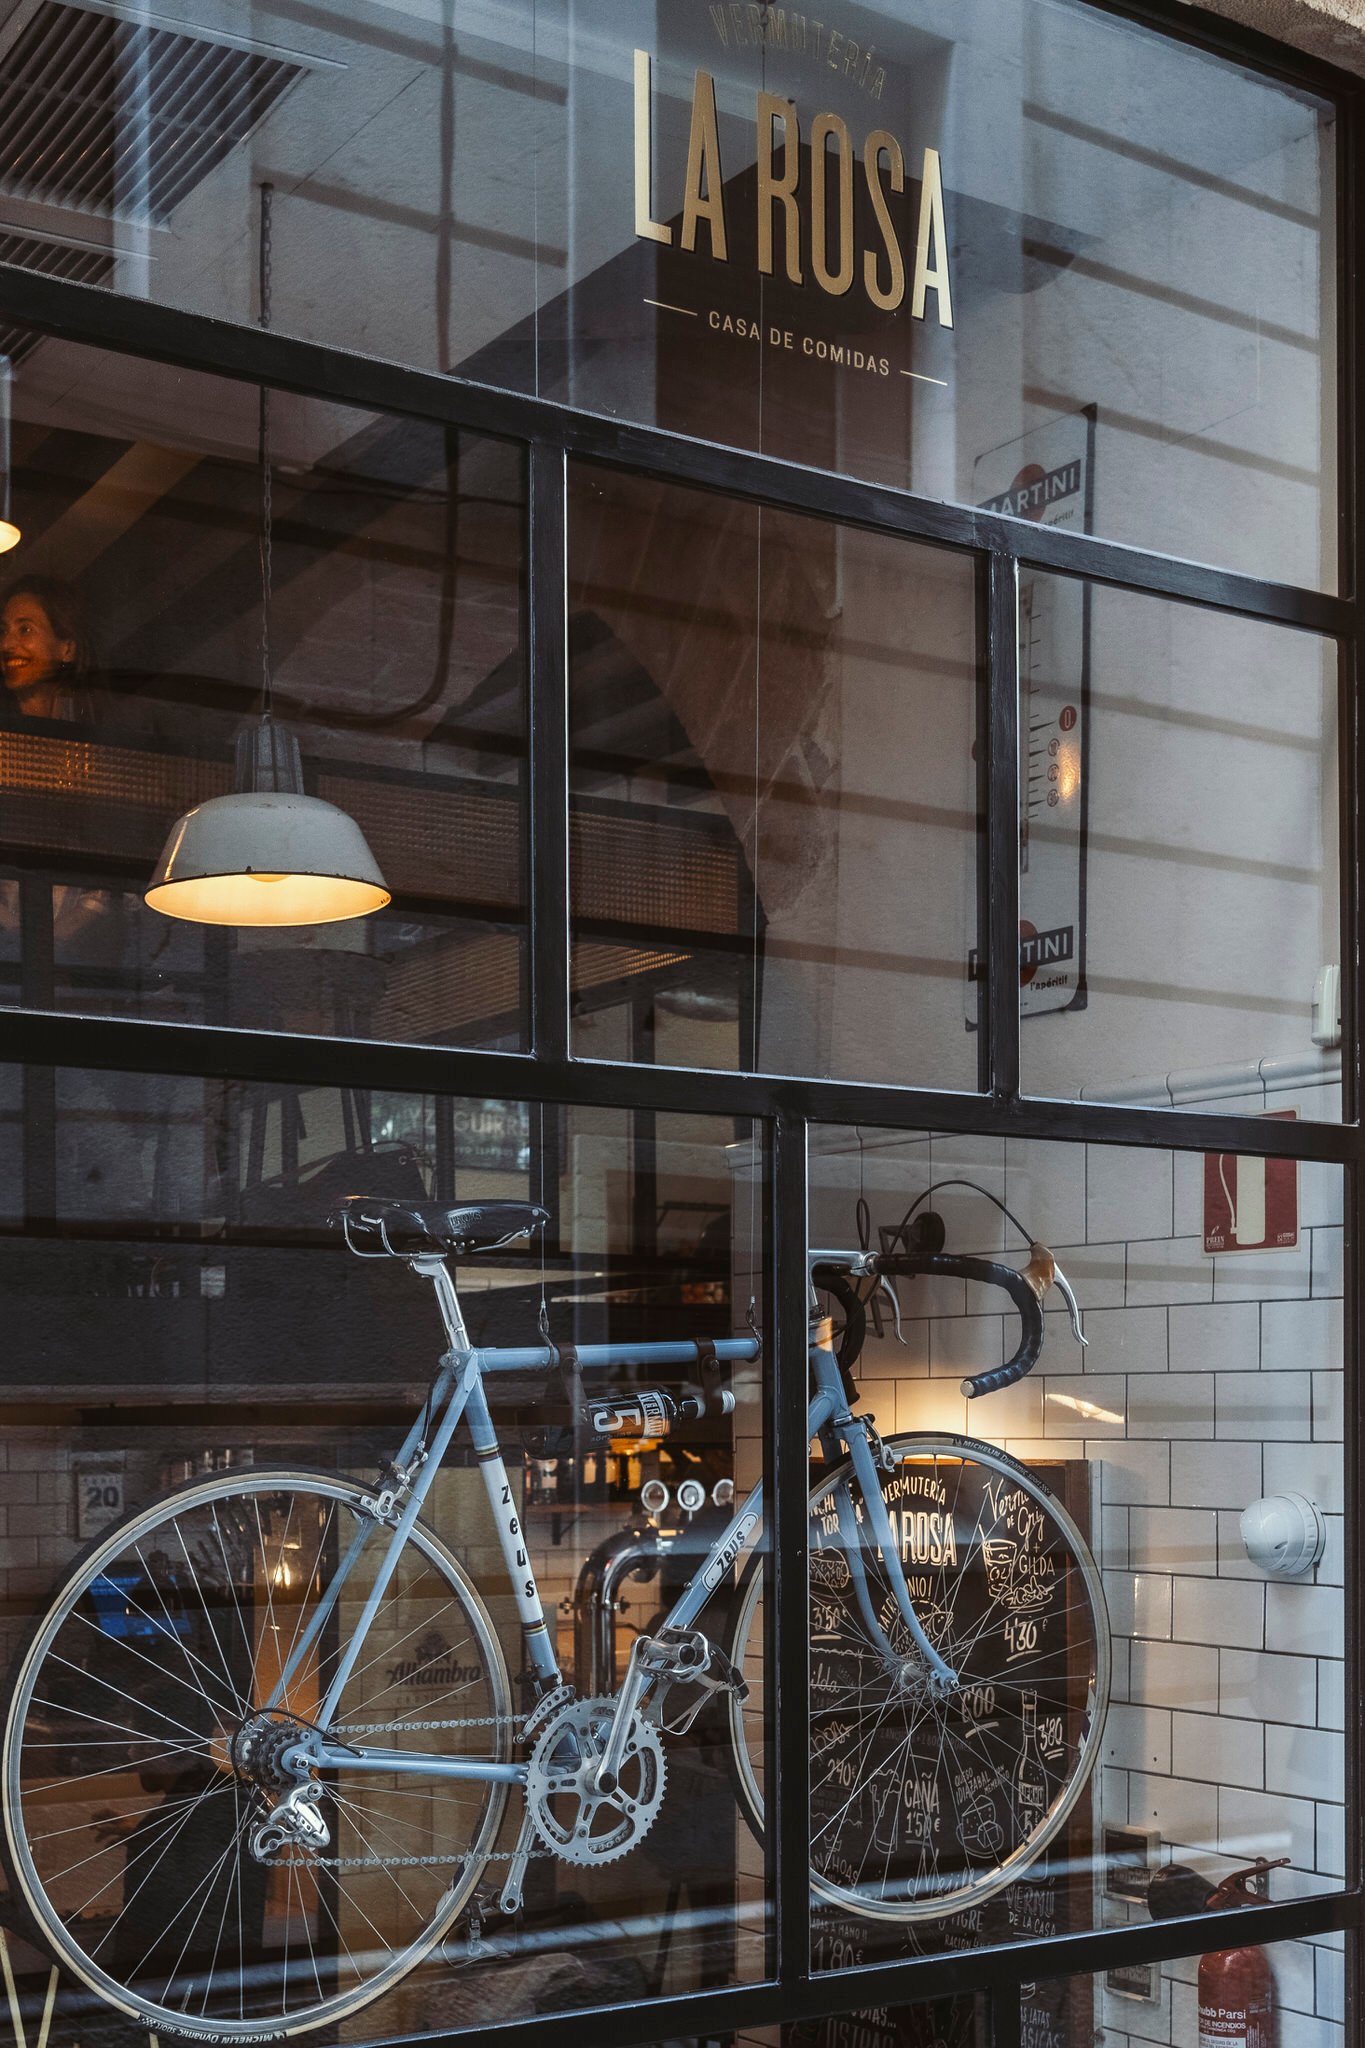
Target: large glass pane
(183,1314)
(773,754)
(1077,1611)
(927,244)
(1178,852)
(132,625)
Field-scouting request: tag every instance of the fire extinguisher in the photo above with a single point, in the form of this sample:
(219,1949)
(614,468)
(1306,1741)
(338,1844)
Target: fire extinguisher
(1237,1985)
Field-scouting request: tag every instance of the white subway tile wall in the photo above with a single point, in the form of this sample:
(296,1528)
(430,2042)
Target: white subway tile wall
(1206,1382)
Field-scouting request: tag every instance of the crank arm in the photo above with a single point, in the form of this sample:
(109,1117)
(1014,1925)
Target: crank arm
(510,1897)
(637,1679)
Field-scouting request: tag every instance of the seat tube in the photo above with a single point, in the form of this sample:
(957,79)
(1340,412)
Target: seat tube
(539,1643)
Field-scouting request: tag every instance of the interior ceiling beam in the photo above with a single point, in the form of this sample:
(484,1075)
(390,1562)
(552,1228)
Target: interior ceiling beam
(108,510)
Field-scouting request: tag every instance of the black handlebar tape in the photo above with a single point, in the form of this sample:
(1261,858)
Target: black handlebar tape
(989,1273)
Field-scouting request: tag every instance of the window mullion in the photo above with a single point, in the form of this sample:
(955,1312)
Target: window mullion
(548,894)
(1001,990)
(788,1844)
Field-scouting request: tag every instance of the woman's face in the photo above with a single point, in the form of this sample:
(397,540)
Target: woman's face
(32,653)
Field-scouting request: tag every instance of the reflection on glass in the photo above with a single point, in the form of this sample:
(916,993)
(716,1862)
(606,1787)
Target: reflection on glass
(1087,1691)
(1285,1991)
(280,1754)
(132,662)
(1178,851)
(773,730)
(892,244)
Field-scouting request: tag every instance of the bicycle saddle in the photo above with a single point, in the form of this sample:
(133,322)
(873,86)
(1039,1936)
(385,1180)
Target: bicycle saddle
(459,1227)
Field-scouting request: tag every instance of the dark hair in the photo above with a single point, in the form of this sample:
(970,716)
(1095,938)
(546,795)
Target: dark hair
(66,614)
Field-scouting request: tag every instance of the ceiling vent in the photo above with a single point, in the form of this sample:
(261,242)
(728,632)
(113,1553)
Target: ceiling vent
(54,259)
(115,117)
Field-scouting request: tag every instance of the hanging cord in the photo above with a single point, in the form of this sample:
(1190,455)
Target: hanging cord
(266,281)
(445,628)
(977,1188)
(449,601)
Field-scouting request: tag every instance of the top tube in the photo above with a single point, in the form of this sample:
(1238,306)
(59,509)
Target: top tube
(592,1357)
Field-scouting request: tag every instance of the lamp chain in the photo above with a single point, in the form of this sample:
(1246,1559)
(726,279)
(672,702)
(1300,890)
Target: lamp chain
(266,257)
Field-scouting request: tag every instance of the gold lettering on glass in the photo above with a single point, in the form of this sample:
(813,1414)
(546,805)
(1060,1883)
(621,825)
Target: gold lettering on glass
(772,189)
(703,168)
(645,225)
(837,278)
(932,276)
(882,141)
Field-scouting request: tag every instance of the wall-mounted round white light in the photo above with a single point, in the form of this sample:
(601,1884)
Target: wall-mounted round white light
(1284,1534)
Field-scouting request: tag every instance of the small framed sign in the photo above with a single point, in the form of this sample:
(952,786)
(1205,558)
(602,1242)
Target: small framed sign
(1141,1981)
(99,1496)
(1129,1859)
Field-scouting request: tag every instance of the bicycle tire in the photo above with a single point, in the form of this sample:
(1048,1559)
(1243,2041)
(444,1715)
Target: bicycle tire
(916,1819)
(170,1628)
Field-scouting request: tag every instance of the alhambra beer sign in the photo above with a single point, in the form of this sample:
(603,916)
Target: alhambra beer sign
(804,183)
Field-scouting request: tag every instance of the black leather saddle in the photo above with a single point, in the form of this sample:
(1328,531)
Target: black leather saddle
(378,1227)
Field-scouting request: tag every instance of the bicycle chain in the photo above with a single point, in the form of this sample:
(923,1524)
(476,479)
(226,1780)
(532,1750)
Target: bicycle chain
(403,1727)
(398,1862)
(411,1862)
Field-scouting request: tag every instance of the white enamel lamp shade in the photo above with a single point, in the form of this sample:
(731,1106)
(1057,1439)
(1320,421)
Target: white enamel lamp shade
(266,857)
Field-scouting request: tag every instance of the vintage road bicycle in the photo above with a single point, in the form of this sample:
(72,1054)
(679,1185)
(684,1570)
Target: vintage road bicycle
(259,1751)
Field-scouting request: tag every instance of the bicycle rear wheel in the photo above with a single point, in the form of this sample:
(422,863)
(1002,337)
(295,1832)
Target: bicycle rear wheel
(128,1812)
(922,1806)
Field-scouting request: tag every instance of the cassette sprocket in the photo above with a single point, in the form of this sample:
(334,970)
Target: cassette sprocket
(576,1822)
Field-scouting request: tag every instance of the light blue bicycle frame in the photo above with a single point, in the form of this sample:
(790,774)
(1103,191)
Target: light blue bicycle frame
(458,1394)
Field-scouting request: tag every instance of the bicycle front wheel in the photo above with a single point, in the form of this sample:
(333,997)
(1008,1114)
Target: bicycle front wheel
(130,1796)
(922,1805)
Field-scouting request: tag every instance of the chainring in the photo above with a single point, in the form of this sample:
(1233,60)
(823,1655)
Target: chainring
(576,1822)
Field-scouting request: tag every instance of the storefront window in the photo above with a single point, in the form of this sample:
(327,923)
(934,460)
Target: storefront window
(195,1349)
(1108,1648)
(914,245)
(618,1422)
(773,731)
(1178,844)
(150,505)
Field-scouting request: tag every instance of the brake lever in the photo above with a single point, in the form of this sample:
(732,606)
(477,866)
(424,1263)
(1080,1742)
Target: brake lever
(884,1287)
(1065,1290)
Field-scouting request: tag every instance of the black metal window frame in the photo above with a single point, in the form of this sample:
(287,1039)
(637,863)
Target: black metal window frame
(785,1108)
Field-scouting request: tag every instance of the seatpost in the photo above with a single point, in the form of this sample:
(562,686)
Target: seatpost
(432,1266)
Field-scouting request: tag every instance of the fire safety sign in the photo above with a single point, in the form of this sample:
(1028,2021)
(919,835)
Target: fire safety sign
(1250,1205)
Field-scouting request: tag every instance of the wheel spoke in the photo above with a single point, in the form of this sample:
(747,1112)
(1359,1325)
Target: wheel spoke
(917,1809)
(224,1580)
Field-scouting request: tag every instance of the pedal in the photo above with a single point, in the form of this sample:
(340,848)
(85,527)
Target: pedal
(700,1663)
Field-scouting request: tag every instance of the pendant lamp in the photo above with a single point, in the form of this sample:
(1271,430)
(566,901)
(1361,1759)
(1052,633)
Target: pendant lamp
(10,535)
(268,854)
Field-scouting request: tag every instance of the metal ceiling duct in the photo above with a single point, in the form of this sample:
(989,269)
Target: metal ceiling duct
(115,117)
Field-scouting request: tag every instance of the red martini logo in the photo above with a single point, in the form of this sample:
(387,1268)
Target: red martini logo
(1035,489)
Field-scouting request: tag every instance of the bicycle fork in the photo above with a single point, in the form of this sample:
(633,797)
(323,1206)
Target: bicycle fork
(830,1409)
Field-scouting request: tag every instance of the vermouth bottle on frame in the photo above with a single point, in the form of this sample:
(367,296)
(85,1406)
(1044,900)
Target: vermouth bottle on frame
(1030,1780)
